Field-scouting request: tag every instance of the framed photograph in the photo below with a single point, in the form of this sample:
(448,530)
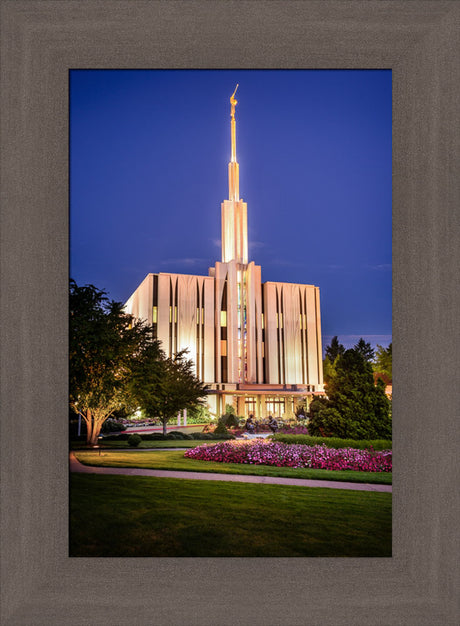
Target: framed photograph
(41,43)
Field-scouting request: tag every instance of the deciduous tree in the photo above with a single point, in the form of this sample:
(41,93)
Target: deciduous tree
(103,343)
(383,361)
(162,386)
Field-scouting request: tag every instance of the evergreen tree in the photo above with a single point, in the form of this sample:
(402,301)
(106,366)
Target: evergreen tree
(364,349)
(356,408)
(332,353)
(334,350)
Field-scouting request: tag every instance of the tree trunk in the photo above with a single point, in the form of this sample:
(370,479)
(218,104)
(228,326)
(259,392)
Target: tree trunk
(165,430)
(96,430)
(89,426)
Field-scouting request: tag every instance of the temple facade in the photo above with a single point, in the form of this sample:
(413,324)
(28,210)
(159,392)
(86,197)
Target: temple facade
(257,346)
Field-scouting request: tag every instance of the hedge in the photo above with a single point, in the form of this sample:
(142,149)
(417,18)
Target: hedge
(334,442)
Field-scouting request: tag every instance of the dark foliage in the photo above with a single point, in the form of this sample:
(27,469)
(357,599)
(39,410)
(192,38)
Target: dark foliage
(356,408)
(334,350)
(230,420)
(364,349)
(134,440)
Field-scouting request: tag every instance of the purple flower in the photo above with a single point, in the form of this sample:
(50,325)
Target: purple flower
(262,452)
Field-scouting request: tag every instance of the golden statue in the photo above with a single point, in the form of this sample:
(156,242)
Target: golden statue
(233,102)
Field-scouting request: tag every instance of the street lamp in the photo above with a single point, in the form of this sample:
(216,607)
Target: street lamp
(98,445)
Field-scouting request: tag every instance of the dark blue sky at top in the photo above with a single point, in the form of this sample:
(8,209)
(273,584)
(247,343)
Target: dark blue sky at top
(148,171)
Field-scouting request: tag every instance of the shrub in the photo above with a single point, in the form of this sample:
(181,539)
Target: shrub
(122,437)
(229,420)
(177,434)
(334,442)
(221,429)
(296,429)
(153,437)
(356,408)
(199,415)
(134,440)
(112,426)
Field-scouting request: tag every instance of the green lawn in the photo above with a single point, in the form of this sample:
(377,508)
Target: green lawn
(165,517)
(175,460)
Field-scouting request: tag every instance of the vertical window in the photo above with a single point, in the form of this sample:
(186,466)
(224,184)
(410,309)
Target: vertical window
(249,406)
(275,406)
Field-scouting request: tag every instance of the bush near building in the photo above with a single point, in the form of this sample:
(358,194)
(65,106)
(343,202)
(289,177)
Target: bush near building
(355,407)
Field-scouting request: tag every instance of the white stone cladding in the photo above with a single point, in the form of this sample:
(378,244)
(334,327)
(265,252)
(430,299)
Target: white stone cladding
(292,334)
(185,315)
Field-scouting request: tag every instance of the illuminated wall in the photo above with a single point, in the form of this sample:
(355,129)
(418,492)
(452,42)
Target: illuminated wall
(292,334)
(238,322)
(181,309)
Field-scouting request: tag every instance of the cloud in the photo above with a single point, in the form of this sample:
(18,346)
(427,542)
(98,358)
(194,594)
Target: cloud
(333,267)
(379,268)
(184,261)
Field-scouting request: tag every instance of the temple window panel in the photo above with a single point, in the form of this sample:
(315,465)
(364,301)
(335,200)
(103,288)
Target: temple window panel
(224,377)
(275,406)
(250,405)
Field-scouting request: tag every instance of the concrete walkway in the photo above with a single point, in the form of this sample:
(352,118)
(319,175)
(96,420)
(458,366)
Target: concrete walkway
(76,466)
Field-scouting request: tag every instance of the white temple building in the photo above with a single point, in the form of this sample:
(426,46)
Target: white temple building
(256,345)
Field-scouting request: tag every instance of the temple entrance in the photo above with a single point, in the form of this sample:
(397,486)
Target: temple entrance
(275,406)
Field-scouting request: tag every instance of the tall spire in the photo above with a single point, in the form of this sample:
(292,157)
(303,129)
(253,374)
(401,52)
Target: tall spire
(233,167)
(234,210)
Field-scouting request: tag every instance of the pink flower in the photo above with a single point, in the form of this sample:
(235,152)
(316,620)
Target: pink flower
(262,452)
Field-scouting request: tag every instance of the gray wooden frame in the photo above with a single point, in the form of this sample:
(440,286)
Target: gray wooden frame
(41,40)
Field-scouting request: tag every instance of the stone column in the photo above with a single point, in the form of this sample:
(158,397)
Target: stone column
(262,407)
(178,419)
(185,417)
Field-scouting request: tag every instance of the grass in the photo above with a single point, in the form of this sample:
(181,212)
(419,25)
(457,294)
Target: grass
(175,460)
(136,516)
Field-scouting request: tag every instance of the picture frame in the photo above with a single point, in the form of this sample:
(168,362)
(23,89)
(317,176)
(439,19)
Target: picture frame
(41,41)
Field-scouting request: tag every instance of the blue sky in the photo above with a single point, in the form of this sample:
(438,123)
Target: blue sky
(148,171)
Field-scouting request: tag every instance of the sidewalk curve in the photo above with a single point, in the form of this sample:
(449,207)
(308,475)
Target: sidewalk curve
(76,466)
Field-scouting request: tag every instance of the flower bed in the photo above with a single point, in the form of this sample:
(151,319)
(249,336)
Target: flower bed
(293,430)
(260,452)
